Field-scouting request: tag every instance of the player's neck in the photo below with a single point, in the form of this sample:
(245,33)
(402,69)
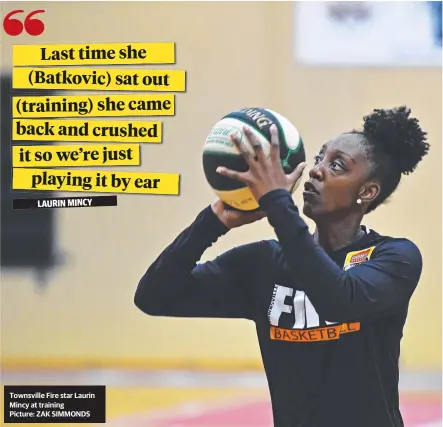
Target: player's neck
(338,234)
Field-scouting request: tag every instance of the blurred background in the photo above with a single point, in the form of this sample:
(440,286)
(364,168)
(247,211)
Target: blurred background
(69,276)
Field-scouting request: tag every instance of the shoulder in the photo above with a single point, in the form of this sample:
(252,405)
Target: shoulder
(399,251)
(261,247)
(243,261)
(255,253)
(262,253)
(400,245)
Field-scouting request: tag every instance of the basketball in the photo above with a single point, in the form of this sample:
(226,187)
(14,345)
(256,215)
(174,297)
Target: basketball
(219,150)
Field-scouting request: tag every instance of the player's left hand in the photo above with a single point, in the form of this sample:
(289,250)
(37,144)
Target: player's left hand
(265,173)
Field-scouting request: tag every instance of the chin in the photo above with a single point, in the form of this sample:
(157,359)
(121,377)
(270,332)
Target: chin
(308,210)
(313,211)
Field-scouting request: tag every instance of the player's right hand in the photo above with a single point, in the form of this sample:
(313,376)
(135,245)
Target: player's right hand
(233,218)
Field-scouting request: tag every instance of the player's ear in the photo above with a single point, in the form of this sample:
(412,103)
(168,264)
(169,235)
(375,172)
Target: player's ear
(369,192)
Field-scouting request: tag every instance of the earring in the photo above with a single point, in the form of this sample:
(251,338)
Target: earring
(359,201)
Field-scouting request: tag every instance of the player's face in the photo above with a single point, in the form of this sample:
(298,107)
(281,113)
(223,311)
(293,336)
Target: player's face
(335,181)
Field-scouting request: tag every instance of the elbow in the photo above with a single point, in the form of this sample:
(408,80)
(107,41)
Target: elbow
(338,313)
(340,307)
(145,301)
(139,301)
(338,317)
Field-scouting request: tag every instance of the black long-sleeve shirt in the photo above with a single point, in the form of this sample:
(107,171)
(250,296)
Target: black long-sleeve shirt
(329,324)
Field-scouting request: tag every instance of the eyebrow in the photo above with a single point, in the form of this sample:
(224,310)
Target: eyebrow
(338,152)
(345,154)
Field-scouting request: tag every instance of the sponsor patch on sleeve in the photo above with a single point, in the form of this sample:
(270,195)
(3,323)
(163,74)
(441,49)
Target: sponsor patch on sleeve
(357,257)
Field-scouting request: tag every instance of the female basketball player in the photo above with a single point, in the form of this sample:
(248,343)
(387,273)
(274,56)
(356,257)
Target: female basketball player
(329,308)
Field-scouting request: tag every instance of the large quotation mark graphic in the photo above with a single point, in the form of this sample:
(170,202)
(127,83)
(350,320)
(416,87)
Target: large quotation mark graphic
(14,27)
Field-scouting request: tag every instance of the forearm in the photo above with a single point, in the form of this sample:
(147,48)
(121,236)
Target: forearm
(169,277)
(316,272)
(336,294)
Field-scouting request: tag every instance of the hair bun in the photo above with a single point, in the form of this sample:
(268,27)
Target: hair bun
(398,135)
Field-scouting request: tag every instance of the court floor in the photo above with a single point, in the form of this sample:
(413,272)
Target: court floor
(202,399)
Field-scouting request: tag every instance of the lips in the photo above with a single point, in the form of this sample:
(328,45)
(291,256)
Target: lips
(310,188)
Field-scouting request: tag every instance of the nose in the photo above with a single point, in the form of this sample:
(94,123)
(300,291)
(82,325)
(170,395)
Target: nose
(316,172)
